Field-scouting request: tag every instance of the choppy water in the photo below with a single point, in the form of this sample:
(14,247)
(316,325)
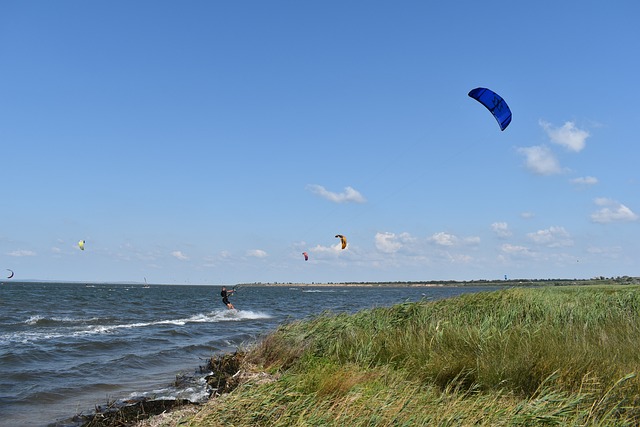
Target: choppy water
(65,348)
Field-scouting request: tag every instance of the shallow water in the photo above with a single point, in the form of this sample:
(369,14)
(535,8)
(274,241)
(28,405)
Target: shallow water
(65,348)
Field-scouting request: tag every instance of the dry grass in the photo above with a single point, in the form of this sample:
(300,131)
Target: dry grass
(178,417)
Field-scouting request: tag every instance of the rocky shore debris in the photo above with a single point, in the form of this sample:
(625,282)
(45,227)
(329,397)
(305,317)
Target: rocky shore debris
(128,414)
(224,377)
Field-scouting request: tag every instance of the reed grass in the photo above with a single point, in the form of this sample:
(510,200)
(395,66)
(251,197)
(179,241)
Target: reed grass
(521,356)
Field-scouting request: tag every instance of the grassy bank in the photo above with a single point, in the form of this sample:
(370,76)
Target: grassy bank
(544,356)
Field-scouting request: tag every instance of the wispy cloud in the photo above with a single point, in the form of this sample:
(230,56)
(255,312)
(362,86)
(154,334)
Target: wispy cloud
(501,229)
(390,242)
(552,237)
(447,239)
(612,211)
(21,253)
(257,253)
(510,249)
(459,258)
(540,160)
(179,255)
(568,135)
(443,239)
(608,252)
(332,250)
(585,180)
(472,240)
(348,195)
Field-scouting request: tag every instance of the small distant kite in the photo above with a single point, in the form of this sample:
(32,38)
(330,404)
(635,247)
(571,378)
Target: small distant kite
(10,274)
(343,240)
(494,103)
(81,245)
(306,256)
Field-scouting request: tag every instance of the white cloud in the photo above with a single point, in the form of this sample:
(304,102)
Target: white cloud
(527,215)
(179,255)
(612,211)
(334,250)
(146,256)
(390,242)
(459,258)
(21,253)
(446,239)
(257,253)
(501,229)
(585,180)
(443,239)
(540,160)
(472,240)
(349,194)
(387,243)
(600,250)
(552,237)
(515,249)
(569,136)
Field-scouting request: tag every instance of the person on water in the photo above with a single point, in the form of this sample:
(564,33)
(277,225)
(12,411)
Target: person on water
(225,297)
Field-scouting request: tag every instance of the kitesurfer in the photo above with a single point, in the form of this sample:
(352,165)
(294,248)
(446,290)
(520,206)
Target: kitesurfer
(225,297)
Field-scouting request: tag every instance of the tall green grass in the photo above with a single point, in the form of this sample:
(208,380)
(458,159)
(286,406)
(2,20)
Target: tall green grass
(544,356)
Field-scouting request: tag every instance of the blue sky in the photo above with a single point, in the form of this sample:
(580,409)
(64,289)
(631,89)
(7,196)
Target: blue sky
(214,142)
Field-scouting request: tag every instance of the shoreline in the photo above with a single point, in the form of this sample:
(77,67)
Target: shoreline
(621,280)
(225,374)
(495,393)
(190,407)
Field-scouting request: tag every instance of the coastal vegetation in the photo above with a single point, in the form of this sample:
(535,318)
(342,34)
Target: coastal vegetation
(556,355)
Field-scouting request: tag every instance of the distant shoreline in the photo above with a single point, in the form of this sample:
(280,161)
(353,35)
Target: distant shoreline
(624,280)
(361,285)
(619,280)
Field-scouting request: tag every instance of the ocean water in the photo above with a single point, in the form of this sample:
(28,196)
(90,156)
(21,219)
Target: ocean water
(66,348)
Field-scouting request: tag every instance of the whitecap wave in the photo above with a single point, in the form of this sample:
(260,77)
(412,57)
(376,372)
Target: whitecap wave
(42,320)
(236,315)
(192,388)
(213,317)
(84,330)
(33,320)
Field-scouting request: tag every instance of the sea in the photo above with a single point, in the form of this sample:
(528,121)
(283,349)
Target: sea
(68,348)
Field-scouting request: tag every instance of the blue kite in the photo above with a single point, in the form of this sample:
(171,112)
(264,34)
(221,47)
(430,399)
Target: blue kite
(494,103)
